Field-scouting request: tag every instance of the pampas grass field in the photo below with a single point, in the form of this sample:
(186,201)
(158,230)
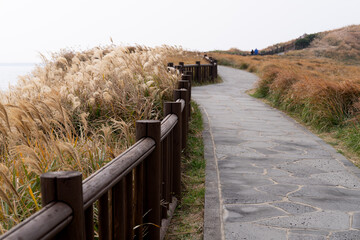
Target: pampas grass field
(77,112)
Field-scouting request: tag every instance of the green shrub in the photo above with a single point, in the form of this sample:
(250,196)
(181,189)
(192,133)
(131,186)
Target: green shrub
(244,66)
(225,62)
(304,42)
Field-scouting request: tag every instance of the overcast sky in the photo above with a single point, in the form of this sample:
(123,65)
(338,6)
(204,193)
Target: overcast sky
(32,26)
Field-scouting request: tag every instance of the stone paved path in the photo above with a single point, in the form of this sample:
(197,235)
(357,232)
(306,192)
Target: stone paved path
(267,176)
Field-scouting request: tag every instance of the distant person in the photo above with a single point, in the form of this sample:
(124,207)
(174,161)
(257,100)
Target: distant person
(252,51)
(256,51)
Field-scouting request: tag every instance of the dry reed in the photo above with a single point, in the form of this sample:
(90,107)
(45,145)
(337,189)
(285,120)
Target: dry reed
(76,111)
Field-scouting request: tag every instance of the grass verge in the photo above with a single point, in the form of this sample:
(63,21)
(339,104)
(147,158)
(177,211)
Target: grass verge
(188,219)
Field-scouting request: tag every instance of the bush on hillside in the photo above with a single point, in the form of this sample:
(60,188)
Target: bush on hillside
(304,42)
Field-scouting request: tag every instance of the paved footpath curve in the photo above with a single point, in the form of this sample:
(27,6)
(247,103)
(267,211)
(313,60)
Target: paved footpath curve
(267,177)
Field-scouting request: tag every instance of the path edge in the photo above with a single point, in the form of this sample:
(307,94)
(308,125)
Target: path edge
(212,211)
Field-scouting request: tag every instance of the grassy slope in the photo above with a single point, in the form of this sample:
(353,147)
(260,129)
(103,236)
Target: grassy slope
(341,44)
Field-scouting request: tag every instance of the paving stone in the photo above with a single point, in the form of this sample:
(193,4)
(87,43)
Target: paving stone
(237,150)
(327,192)
(327,220)
(249,231)
(274,172)
(327,165)
(304,180)
(261,161)
(233,194)
(278,189)
(309,232)
(288,149)
(317,153)
(248,212)
(299,169)
(298,143)
(295,236)
(264,151)
(238,166)
(356,221)
(346,235)
(328,198)
(244,179)
(294,208)
(342,178)
(257,144)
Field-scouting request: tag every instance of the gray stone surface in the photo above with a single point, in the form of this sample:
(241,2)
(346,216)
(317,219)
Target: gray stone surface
(345,235)
(329,220)
(250,231)
(267,177)
(294,208)
(356,221)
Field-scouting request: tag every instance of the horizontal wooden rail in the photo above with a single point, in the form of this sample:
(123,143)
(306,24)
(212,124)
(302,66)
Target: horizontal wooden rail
(106,177)
(43,224)
(135,194)
(182,103)
(167,125)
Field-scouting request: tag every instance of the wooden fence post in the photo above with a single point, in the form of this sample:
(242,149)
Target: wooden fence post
(104,217)
(175,108)
(216,66)
(181,64)
(183,94)
(66,187)
(198,71)
(212,71)
(188,78)
(189,75)
(139,190)
(185,84)
(152,176)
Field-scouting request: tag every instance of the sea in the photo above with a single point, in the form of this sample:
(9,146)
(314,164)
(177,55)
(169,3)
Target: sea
(9,73)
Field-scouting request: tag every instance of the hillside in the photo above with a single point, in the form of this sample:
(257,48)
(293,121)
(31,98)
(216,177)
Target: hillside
(341,44)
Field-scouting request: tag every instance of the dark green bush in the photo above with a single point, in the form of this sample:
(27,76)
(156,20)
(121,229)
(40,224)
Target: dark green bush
(225,62)
(304,42)
(244,66)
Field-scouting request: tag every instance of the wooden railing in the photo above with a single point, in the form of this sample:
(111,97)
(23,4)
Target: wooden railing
(134,195)
(200,72)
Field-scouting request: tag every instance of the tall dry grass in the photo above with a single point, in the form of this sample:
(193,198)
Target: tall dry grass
(77,111)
